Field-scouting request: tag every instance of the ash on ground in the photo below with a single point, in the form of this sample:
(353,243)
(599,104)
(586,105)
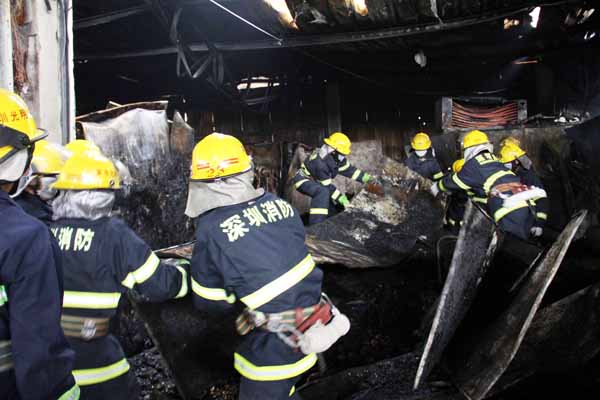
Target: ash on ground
(156,382)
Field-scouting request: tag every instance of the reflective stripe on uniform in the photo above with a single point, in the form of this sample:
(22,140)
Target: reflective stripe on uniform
(437,176)
(503,211)
(459,182)
(3,295)
(441,186)
(356,174)
(91,300)
(143,273)
(482,200)
(184,283)
(280,285)
(489,182)
(71,394)
(335,194)
(300,182)
(92,376)
(273,372)
(541,215)
(319,211)
(344,167)
(6,361)
(326,182)
(214,294)
(292,391)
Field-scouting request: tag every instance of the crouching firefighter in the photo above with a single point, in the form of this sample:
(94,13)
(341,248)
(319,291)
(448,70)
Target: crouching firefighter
(422,158)
(250,247)
(514,158)
(34,192)
(315,177)
(456,204)
(35,357)
(510,203)
(102,259)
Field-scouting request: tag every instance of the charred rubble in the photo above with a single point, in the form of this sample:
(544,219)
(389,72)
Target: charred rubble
(435,315)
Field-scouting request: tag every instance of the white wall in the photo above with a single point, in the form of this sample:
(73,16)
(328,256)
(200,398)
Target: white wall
(55,108)
(50,92)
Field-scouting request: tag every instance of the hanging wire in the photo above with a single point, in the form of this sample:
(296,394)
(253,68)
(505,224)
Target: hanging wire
(221,6)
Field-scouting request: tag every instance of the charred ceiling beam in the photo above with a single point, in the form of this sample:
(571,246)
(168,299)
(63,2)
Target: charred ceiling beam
(109,17)
(320,40)
(112,16)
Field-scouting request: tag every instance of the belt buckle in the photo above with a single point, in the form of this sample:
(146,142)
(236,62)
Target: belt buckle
(274,322)
(89,329)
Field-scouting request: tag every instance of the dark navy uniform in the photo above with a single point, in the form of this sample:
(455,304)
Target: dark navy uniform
(456,210)
(102,259)
(35,207)
(428,167)
(315,179)
(480,175)
(254,252)
(30,306)
(542,205)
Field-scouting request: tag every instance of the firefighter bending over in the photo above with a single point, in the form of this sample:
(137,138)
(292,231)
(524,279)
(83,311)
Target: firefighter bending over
(102,259)
(250,248)
(514,158)
(35,357)
(456,204)
(422,158)
(315,177)
(509,202)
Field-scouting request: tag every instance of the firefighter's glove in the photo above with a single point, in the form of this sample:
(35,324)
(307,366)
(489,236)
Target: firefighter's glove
(536,231)
(343,201)
(434,189)
(366,178)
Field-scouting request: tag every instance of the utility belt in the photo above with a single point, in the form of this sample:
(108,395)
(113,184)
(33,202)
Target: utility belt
(6,360)
(515,193)
(84,328)
(311,330)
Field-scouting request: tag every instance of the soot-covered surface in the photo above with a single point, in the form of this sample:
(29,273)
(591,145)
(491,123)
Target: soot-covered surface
(474,248)
(384,306)
(153,204)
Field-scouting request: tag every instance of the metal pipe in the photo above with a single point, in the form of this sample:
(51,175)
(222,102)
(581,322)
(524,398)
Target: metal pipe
(6,47)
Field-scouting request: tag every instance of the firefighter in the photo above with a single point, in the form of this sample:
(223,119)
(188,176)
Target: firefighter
(515,158)
(422,158)
(34,193)
(508,201)
(102,259)
(315,177)
(35,357)
(250,247)
(456,203)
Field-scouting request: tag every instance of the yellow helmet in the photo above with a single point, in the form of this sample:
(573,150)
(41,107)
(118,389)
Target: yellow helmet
(510,139)
(218,156)
(457,165)
(88,170)
(17,127)
(510,152)
(421,141)
(81,145)
(474,138)
(48,158)
(340,142)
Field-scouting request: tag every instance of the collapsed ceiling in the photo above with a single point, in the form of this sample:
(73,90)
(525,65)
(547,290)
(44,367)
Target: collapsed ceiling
(148,48)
